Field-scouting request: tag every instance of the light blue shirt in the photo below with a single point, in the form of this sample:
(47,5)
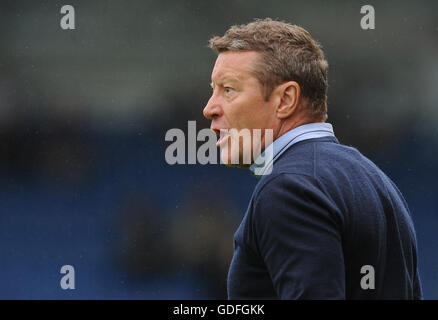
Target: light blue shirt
(263,164)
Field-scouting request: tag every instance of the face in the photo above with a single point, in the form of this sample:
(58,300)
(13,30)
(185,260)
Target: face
(237,107)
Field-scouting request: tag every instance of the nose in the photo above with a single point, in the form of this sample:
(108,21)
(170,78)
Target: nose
(212,110)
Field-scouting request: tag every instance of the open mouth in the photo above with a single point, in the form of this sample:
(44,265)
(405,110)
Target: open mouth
(222,138)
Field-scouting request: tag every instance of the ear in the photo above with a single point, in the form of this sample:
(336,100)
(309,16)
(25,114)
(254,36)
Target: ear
(288,97)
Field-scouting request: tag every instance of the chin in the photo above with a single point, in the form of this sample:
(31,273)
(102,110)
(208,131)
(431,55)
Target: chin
(234,161)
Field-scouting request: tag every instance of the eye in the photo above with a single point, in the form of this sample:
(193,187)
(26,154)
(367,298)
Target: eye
(228,89)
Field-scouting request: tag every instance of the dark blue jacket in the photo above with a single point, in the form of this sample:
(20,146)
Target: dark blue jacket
(324,213)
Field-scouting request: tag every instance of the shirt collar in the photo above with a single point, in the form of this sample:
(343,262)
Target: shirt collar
(264,162)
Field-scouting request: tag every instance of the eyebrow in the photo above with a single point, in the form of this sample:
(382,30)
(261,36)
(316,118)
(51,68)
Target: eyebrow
(225,79)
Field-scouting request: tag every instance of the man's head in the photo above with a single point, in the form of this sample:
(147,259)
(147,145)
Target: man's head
(268,75)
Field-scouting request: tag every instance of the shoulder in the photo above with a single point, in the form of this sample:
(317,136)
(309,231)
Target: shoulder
(325,161)
(282,181)
(289,206)
(313,157)
(284,195)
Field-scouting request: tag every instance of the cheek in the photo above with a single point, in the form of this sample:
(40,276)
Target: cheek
(247,112)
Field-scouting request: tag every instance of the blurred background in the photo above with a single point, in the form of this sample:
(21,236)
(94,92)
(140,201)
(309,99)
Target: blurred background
(84,112)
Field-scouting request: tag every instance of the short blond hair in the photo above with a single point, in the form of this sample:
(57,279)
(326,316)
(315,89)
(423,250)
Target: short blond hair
(289,53)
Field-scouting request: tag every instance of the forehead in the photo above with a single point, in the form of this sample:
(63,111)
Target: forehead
(236,64)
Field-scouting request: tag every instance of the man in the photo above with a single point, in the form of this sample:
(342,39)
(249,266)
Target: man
(326,223)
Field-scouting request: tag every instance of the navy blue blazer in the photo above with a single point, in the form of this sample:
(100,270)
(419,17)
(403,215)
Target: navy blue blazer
(327,223)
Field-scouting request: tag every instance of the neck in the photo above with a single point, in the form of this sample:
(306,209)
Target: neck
(292,123)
